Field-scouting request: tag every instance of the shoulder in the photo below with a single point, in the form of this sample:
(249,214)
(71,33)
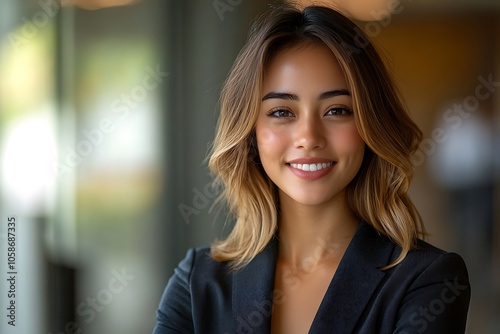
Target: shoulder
(435,290)
(194,257)
(199,269)
(423,257)
(428,291)
(428,259)
(199,264)
(426,264)
(196,279)
(376,249)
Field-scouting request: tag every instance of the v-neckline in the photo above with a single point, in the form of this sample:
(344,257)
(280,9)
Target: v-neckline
(349,290)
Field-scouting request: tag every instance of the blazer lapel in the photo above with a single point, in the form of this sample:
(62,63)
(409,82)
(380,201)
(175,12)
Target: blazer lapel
(354,282)
(253,292)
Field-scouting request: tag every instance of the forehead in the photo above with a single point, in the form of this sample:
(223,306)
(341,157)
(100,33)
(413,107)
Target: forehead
(311,65)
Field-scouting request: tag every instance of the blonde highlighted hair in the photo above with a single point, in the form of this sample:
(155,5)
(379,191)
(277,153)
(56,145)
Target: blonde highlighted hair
(378,193)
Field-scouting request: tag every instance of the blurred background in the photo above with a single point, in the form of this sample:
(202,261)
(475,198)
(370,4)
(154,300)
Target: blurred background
(107,109)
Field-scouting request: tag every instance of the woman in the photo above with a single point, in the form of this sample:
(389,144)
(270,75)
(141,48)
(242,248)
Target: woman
(313,148)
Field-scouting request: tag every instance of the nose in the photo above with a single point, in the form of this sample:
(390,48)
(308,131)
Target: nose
(309,134)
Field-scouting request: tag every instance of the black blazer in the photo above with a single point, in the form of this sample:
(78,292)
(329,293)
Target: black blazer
(428,292)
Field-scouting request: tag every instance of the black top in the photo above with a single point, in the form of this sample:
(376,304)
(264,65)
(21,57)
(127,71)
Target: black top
(428,292)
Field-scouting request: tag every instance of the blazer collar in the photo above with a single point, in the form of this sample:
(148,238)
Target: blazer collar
(354,282)
(349,291)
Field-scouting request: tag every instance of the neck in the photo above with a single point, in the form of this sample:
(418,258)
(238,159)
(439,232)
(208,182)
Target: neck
(321,233)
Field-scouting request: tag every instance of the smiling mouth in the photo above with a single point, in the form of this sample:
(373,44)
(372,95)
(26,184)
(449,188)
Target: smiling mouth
(311,167)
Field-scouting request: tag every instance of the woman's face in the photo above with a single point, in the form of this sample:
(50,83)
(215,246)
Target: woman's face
(307,139)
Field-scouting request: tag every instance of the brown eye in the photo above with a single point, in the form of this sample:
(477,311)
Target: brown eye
(280,113)
(338,111)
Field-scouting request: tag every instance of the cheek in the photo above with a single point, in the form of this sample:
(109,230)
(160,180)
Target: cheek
(268,139)
(348,141)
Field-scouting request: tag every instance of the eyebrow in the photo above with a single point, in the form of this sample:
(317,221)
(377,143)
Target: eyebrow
(294,97)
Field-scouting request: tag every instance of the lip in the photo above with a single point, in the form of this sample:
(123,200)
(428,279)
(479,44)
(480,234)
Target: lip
(311,175)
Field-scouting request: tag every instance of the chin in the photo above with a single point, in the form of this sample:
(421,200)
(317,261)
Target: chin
(306,199)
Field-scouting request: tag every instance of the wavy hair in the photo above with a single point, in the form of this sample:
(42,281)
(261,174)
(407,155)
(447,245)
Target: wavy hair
(378,193)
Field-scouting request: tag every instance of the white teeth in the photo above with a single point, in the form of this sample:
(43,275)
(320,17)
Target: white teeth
(312,167)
